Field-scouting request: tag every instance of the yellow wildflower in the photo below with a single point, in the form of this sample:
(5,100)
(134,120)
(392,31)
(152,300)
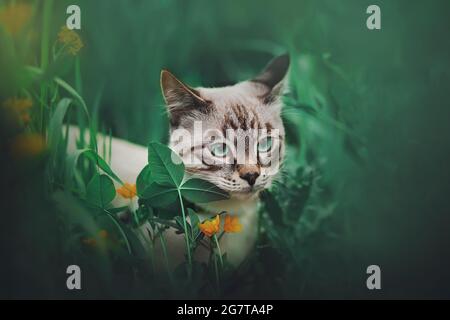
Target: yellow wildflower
(210,227)
(14,17)
(71,40)
(28,145)
(232,224)
(127,191)
(19,107)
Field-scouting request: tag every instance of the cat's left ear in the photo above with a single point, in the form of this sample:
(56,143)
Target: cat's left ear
(273,75)
(181,99)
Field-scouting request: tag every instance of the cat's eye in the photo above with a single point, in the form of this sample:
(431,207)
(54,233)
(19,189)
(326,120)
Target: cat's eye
(219,150)
(265,144)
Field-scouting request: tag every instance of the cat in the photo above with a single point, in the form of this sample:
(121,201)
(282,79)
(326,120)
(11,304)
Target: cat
(249,105)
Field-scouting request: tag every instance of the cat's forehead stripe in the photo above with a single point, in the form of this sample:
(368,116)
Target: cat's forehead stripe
(257,122)
(240,117)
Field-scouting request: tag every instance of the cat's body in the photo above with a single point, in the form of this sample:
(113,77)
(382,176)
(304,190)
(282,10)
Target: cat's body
(225,117)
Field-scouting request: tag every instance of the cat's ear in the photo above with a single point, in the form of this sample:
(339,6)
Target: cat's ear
(180,98)
(273,75)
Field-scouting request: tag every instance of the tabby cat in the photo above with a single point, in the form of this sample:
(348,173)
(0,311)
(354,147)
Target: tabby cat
(241,148)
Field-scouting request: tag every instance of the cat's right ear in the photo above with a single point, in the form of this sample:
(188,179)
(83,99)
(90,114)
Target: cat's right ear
(180,98)
(274,74)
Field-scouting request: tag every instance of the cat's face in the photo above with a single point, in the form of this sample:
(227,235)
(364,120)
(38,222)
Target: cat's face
(231,136)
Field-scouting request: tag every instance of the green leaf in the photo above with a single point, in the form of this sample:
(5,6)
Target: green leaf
(72,161)
(156,195)
(168,212)
(180,223)
(73,92)
(38,72)
(141,215)
(161,181)
(195,230)
(56,122)
(202,191)
(164,170)
(92,155)
(143,180)
(70,168)
(100,191)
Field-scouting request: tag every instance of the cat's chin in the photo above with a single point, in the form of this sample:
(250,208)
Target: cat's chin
(245,195)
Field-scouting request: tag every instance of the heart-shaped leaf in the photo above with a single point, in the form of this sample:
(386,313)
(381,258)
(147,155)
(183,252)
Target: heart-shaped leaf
(167,169)
(100,191)
(159,196)
(162,180)
(143,180)
(202,191)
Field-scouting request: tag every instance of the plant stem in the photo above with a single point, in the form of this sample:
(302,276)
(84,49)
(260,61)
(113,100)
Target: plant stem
(122,233)
(218,251)
(186,237)
(151,248)
(78,83)
(216,271)
(166,257)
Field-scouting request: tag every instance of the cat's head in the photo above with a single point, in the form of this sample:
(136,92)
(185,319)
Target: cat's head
(231,136)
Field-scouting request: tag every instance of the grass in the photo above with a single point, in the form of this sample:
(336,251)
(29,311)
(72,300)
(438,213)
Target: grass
(315,230)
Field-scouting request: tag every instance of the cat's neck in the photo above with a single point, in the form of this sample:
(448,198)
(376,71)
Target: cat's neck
(237,245)
(233,206)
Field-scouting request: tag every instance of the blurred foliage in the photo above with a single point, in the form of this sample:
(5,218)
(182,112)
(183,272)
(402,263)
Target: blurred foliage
(366,175)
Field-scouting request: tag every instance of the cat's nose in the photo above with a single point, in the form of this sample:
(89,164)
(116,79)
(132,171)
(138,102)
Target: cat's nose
(249,173)
(250,177)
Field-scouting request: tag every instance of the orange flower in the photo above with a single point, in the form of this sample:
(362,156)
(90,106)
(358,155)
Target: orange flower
(28,145)
(71,40)
(232,224)
(210,227)
(14,17)
(127,191)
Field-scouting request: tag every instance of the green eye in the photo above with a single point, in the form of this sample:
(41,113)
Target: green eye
(219,150)
(265,144)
